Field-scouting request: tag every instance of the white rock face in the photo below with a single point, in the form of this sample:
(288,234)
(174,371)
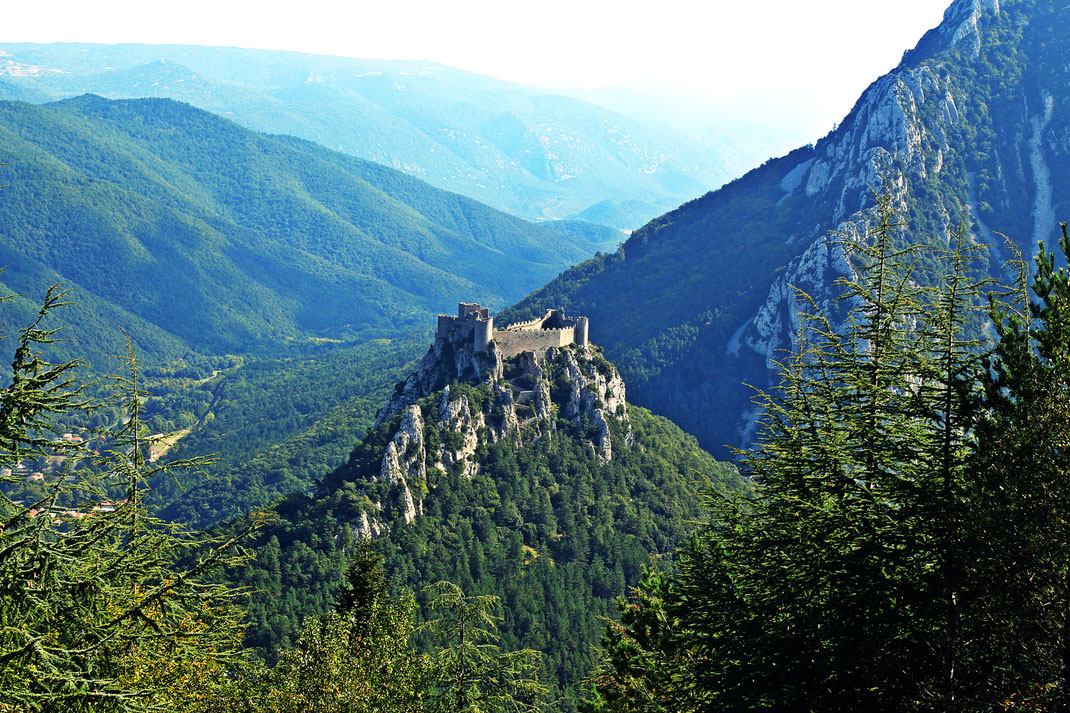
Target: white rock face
(1043,210)
(819,178)
(455,415)
(960,21)
(793,178)
(405,460)
(449,358)
(368,527)
(595,392)
(883,144)
(779,320)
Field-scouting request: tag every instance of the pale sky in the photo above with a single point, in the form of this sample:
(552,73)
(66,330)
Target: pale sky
(812,57)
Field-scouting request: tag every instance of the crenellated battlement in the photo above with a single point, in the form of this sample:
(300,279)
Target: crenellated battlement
(553,329)
(530,324)
(474,324)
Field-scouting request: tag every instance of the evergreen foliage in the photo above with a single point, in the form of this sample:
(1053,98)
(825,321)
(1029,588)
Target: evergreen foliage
(978,108)
(94,614)
(1017,616)
(194,233)
(471,674)
(903,548)
(362,657)
(549,528)
(518,148)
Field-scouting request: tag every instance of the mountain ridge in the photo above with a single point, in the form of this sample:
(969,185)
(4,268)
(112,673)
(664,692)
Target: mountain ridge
(525,477)
(244,236)
(962,127)
(521,149)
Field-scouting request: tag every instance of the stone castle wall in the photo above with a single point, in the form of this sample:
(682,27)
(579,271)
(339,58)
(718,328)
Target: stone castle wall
(474,325)
(532,325)
(512,342)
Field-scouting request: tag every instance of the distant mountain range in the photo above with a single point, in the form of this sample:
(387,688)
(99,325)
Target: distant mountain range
(521,149)
(973,125)
(193,233)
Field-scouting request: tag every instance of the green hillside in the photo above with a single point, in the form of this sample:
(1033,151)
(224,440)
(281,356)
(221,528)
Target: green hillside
(274,290)
(223,239)
(525,150)
(527,501)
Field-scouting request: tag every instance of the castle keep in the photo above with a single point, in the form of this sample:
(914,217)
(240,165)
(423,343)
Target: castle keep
(553,329)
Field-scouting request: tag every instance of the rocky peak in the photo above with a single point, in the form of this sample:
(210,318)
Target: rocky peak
(401,462)
(961,19)
(524,398)
(900,135)
(451,357)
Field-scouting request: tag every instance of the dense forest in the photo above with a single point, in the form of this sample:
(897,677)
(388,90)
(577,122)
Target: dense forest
(525,150)
(547,532)
(549,529)
(904,547)
(273,424)
(187,526)
(195,234)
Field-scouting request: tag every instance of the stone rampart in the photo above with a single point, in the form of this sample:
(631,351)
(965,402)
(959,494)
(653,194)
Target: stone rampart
(530,325)
(512,342)
(474,325)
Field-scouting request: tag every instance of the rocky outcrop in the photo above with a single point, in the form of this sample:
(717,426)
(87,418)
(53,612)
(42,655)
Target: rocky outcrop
(961,22)
(594,390)
(450,357)
(970,127)
(455,416)
(895,137)
(404,461)
(524,399)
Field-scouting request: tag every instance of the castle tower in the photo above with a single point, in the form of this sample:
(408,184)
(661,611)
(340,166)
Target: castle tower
(581,331)
(483,333)
(466,308)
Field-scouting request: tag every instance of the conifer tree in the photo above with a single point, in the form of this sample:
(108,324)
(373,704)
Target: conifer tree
(470,672)
(94,613)
(1020,561)
(347,661)
(835,587)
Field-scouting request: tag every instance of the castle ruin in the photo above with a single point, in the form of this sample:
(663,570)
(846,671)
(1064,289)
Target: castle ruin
(553,329)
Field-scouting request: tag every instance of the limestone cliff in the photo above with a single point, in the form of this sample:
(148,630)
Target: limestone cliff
(538,485)
(451,357)
(969,128)
(895,139)
(438,429)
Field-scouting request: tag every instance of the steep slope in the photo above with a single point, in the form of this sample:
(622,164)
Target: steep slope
(194,233)
(970,127)
(275,425)
(529,478)
(518,148)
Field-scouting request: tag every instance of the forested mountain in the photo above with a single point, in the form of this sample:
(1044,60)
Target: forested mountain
(969,127)
(521,149)
(529,478)
(270,287)
(191,232)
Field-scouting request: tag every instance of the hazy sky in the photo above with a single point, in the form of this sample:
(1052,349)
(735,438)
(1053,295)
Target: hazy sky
(809,57)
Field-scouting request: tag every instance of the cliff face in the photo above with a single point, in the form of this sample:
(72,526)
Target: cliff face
(437,430)
(968,128)
(451,357)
